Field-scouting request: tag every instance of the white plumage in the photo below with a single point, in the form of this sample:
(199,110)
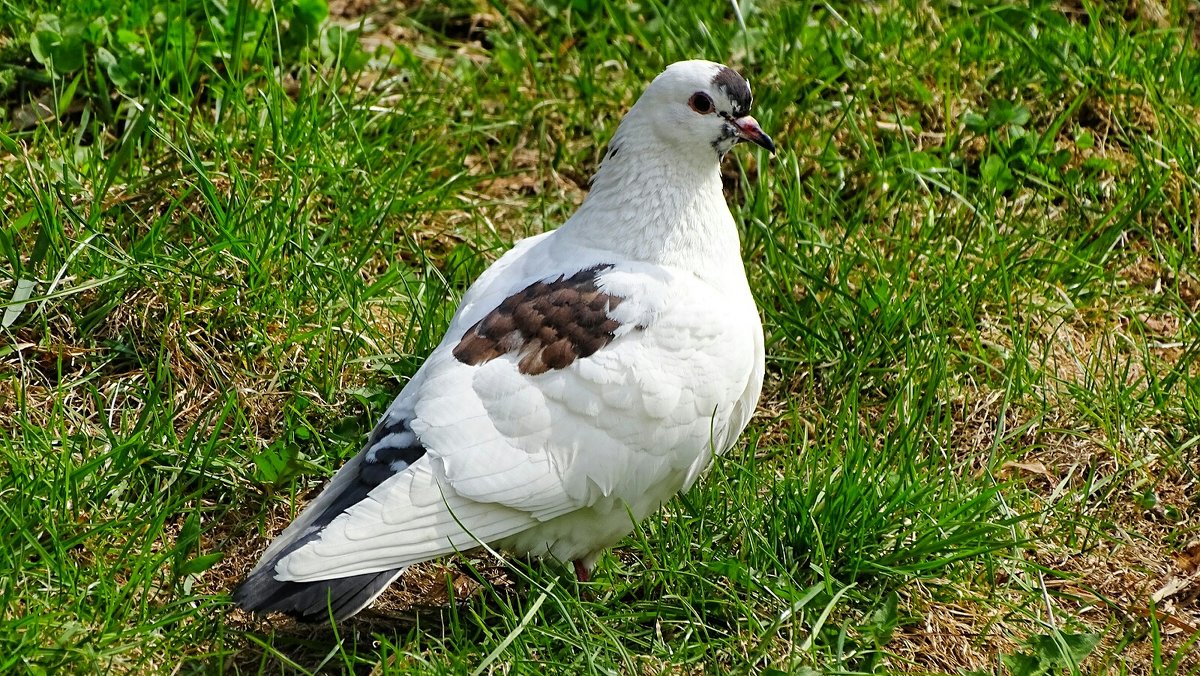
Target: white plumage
(589,375)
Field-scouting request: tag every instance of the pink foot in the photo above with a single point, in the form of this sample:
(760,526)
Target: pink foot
(581,571)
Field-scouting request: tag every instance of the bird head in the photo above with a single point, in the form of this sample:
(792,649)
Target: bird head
(701,107)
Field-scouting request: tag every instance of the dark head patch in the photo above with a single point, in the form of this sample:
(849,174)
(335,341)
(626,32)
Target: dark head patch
(736,88)
(549,324)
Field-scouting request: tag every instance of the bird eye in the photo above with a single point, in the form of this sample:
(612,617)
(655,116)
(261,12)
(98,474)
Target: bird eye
(701,103)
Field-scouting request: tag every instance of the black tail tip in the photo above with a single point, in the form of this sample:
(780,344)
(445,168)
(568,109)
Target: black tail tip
(312,602)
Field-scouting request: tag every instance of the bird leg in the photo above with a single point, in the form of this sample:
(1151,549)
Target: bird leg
(581,571)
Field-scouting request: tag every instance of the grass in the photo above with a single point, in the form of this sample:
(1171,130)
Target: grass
(230,232)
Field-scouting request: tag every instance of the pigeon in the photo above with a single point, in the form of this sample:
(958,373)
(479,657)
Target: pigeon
(590,374)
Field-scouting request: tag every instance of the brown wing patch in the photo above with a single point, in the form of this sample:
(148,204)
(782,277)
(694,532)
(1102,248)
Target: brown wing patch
(549,324)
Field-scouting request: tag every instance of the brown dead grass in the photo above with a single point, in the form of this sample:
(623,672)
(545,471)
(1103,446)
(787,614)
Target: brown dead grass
(954,632)
(1110,562)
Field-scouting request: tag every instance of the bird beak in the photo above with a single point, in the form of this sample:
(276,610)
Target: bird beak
(748,130)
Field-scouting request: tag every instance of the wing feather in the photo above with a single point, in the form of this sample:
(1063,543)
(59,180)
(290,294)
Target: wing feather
(360,540)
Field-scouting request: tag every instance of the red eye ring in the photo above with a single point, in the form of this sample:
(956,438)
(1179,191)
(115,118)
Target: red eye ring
(701,103)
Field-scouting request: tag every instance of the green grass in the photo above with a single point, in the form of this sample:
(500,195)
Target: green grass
(976,256)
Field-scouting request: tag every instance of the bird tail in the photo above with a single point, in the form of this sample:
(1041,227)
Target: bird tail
(312,601)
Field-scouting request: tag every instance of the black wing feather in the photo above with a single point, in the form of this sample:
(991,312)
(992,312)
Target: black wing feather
(391,448)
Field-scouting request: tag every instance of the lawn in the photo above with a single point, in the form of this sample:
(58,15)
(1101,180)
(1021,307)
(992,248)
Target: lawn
(231,230)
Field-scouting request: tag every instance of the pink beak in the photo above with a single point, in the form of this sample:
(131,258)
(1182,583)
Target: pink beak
(748,130)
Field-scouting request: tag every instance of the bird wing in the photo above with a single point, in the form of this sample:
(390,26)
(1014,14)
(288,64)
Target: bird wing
(606,379)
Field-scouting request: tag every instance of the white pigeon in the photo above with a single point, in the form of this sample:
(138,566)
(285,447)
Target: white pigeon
(589,375)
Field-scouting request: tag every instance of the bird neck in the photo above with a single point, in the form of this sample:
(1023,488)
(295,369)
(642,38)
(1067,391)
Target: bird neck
(649,203)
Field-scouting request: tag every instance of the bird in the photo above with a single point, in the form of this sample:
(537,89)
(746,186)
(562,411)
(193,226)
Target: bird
(589,374)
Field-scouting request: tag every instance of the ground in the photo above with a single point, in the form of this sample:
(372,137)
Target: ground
(231,231)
